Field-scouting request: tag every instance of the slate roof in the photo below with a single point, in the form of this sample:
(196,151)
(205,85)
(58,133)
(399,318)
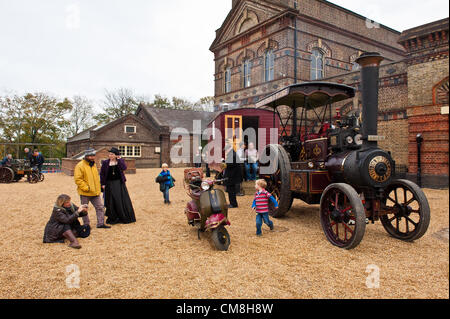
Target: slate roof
(179,118)
(170,118)
(84,135)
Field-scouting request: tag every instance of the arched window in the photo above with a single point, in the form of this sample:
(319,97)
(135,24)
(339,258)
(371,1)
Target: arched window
(440,92)
(316,64)
(247,73)
(269,60)
(227,81)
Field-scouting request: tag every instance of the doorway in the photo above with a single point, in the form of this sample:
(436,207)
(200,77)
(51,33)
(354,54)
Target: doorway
(250,122)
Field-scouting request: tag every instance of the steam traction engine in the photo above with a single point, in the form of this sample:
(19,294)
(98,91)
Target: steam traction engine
(17,170)
(339,165)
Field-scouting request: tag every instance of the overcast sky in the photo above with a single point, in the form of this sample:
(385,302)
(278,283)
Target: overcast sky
(83,47)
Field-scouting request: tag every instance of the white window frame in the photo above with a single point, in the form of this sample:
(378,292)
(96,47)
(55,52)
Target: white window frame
(135,150)
(269,65)
(133,126)
(247,69)
(316,72)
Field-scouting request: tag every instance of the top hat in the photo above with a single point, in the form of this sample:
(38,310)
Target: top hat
(114,151)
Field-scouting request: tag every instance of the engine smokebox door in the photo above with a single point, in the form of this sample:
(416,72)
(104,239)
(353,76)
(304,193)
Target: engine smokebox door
(317,149)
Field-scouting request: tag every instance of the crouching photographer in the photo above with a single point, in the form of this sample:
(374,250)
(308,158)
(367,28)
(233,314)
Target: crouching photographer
(64,224)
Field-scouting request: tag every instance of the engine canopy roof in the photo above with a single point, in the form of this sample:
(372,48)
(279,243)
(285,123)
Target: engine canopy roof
(309,95)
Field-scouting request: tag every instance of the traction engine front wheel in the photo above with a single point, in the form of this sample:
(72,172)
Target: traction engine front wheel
(340,204)
(411,212)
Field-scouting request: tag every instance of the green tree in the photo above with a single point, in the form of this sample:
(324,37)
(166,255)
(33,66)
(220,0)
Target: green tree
(33,118)
(161,102)
(11,118)
(44,116)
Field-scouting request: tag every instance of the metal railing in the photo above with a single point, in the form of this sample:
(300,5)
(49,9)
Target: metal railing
(51,165)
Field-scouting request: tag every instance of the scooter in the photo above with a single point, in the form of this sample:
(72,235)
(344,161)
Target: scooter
(208,209)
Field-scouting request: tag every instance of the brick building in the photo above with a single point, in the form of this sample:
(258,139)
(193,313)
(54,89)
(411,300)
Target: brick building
(413,99)
(255,46)
(136,138)
(428,98)
(179,124)
(254,56)
(147,136)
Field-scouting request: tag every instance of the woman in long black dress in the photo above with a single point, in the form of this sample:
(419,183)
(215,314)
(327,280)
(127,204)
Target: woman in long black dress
(119,208)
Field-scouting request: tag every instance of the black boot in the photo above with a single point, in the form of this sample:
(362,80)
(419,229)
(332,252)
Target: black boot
(103,226)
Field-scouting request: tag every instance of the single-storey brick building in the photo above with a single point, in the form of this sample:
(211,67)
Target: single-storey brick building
(136,138)
(144,136)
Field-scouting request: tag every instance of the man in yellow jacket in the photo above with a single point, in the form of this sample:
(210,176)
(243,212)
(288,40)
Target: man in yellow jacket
(88,182)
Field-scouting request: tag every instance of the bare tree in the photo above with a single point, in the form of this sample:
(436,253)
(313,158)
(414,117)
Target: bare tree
(117,104)
(205,104)
(81,117)
(181,104)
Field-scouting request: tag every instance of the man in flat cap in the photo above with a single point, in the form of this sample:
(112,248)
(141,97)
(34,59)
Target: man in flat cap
(88,182)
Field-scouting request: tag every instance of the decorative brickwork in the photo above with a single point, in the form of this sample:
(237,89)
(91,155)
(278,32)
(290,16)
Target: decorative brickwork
(428,74)
(338,40)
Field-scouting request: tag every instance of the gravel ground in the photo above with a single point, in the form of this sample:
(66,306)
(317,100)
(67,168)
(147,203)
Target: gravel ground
(160,256)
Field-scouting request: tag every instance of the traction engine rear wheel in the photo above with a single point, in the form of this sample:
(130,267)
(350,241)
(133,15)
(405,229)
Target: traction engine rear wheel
(412,217)
(278,180)
(339,205)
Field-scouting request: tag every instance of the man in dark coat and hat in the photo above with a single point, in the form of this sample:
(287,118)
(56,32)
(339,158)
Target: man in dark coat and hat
(233,174)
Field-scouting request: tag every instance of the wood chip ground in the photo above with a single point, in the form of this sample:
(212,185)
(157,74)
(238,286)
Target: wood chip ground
(161,257)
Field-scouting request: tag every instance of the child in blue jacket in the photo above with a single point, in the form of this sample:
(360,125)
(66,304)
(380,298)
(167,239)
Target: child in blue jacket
(166,182)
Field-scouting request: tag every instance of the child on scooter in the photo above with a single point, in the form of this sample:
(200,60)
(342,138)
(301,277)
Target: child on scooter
(261,205)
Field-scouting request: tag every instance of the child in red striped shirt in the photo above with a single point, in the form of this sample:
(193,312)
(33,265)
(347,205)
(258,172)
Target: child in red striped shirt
(261,205)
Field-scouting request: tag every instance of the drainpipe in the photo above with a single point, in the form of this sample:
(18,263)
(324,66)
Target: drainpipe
(419,140)
(160,150)
(295,45)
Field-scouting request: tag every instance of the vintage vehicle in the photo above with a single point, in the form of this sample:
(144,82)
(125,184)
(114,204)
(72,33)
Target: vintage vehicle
(339,165)
(19,169)
(208,209)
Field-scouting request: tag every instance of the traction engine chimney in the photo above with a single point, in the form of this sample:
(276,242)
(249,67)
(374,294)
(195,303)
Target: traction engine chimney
(370,65)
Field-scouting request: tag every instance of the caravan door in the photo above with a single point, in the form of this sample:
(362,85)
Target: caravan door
(233,130)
